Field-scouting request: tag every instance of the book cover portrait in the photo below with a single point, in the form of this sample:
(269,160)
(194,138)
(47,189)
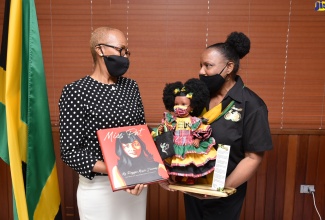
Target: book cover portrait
(131,156)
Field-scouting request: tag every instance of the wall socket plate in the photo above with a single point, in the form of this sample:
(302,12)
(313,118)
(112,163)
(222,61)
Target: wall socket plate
(307,188)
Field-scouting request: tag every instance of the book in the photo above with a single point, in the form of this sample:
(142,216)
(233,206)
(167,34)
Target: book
(131,156)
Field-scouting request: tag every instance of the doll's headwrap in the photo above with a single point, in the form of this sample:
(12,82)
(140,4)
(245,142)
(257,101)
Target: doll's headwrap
(182,92)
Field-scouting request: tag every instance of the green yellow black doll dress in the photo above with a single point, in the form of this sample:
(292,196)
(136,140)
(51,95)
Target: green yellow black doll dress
(190,161)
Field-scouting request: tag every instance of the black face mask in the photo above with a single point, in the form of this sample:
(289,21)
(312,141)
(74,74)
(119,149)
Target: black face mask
(214,82)
(116,65)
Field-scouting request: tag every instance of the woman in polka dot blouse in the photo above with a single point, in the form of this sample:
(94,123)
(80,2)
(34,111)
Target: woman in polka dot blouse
(104,99)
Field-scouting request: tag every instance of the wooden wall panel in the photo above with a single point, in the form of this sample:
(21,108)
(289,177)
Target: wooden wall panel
(5,192)
(311,171)
(281,156)
(320,190)
(290,176)
(273,192)
(300,175)
(265,187)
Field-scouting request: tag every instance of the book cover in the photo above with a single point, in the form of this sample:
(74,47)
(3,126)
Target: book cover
(131,156)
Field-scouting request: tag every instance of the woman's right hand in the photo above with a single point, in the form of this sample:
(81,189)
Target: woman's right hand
(137,189)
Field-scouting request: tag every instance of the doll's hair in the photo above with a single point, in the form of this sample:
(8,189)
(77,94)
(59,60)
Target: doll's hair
(194,88)
(169,96)
(200,97)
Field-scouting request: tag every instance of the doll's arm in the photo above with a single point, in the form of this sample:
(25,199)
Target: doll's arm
(196,142)
(203,132)
(160,129)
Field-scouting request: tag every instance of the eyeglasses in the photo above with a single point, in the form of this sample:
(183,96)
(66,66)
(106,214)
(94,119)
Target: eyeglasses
(123,50)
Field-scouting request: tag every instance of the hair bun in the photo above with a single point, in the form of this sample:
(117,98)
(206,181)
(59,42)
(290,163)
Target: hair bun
(240,42)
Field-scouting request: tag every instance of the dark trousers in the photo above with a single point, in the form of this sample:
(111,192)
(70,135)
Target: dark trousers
(228,208)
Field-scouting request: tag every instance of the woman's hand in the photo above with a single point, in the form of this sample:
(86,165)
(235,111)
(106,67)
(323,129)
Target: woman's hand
(165,185)
(137,189)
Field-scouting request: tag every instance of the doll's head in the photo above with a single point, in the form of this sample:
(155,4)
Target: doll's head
(193,93)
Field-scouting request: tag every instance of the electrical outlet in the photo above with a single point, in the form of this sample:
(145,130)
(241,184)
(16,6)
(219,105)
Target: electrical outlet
(307,188)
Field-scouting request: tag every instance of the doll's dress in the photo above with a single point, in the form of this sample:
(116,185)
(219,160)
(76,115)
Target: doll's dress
(188,160)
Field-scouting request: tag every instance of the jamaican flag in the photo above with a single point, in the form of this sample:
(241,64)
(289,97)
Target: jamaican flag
(26,143)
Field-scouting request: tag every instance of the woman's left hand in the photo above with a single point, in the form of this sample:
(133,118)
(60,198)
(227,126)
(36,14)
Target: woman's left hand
(136,190)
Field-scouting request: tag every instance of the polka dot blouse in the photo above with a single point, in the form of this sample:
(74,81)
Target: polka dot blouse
(87,106)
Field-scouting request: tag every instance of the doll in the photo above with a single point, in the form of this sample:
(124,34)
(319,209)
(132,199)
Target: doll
(194,148)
